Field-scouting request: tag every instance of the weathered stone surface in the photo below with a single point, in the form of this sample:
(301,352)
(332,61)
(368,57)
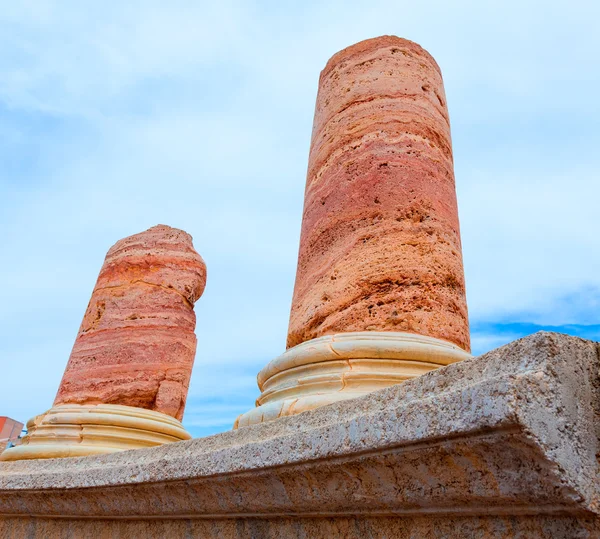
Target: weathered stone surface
(345,527)
(136,344)
(498,446)
(380,244)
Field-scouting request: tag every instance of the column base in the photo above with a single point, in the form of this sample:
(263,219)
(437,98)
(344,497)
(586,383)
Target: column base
(344,366)
(75,430)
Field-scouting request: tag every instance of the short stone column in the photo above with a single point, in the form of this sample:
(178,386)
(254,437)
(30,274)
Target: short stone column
(380,292)
(126,382)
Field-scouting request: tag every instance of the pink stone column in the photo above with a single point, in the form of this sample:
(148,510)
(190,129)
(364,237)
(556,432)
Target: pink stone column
(380,291)
(380,245)
(126,381)
(136,344)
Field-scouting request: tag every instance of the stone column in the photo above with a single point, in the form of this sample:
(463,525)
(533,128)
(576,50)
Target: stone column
(380,293)
(126,382)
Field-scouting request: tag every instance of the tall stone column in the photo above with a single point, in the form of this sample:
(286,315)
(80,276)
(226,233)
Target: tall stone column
(126,382)
(380,292)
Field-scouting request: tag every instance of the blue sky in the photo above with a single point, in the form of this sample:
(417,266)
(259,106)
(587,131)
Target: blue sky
(116,116)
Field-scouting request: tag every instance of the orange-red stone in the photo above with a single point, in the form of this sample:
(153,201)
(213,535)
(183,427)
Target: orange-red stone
(380,244)
(136,344)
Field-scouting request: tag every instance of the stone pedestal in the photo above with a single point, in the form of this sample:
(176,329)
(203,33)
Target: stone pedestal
(126,382)
(344,366)
(380,248)
(81,430)
(499,446)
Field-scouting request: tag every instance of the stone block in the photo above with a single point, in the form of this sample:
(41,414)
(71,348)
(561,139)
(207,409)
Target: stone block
(503,445)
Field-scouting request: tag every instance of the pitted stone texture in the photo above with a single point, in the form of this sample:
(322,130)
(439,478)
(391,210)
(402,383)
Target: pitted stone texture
(136,344)
(495,445)
(380,244)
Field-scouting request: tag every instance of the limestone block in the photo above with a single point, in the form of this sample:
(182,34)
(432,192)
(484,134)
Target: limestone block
(503,445)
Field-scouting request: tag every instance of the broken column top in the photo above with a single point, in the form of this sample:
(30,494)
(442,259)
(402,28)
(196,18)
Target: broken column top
(136,344)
